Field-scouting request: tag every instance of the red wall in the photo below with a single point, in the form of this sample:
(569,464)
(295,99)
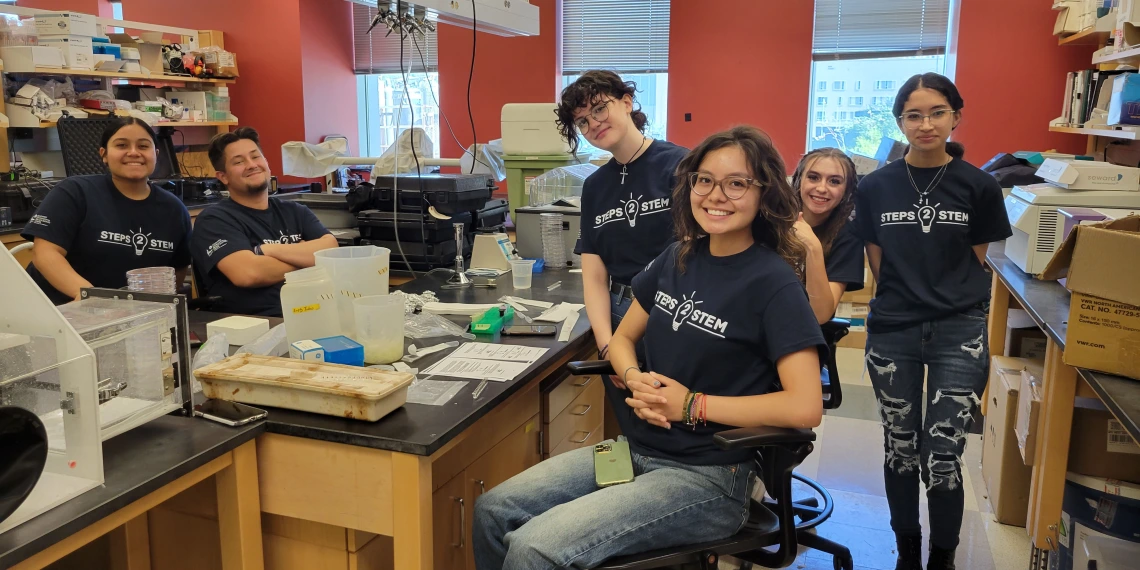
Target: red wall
(752,66)
(101,8)
(1013,78)
(507,70)
(326,65)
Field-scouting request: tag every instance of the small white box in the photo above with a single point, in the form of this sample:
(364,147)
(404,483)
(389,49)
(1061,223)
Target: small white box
(130,53)
(25,59)
(77,50)
(529,129)
(1089,175)
(238,330)
(307,350)
(65,24)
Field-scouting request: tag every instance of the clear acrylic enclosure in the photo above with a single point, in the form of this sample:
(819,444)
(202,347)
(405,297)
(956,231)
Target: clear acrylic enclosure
(133,342)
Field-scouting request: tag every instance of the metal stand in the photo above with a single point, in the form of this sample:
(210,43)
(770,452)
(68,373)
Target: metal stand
(181,334)
(459,279)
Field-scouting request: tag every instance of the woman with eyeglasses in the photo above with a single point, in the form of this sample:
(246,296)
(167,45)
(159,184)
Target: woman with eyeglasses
(723,315)
(927,220)
(625,203)
(825,181)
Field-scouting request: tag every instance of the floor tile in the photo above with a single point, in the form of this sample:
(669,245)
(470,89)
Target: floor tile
(1009,545)
(853,456)
(860,509)
(859,403)
(852,366)
(870,548)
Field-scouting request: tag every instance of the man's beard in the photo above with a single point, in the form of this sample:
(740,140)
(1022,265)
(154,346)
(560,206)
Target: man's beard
(255,190)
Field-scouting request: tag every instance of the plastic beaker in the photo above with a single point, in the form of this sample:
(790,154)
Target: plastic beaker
(380,327)
(522,272)
(356,271)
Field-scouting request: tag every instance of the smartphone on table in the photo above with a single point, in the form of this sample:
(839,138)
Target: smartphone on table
(613,464)
(229,413)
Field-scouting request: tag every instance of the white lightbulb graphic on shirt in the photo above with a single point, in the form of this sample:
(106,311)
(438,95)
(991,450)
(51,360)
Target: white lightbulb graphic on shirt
(684,311)
(140,240)
(631,209)
(926,216)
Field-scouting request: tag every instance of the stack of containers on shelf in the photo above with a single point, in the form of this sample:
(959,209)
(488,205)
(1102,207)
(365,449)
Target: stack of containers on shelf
(72,34)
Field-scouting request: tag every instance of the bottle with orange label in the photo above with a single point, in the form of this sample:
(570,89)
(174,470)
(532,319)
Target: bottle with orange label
(309,305)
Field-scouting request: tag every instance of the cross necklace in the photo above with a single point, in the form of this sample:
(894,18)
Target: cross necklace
(625,165)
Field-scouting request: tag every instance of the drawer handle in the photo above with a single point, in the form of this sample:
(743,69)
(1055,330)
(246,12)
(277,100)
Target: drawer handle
(482,486)
(462,524)
(584,438)
(583,412)
(583,383)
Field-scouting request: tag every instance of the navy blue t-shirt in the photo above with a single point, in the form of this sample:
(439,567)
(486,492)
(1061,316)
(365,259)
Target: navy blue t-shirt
(107,234)
(929,270)
(227,228)
(844,262)
(629,224)
(718,328)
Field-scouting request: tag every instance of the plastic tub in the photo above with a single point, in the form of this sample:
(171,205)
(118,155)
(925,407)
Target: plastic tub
(521,273)
(380,327)
(152,280)
(356,271)
(309,305)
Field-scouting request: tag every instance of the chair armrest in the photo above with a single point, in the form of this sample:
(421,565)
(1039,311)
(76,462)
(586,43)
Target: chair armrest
(834,330)
(748,438)
(587,367)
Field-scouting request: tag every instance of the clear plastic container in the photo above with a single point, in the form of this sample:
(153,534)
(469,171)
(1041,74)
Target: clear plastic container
(357,271)
(380,327)
(522,273)
(553,246)
(309,305)
(152,280)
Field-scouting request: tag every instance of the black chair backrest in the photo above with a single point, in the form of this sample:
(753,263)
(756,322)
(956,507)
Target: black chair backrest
(79,143)
(833,331)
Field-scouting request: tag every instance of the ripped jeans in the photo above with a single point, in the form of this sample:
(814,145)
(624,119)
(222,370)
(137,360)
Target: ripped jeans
(954,352)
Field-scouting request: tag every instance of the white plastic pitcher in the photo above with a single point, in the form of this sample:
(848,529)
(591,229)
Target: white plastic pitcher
(357,271)
(380,327)
(309,305)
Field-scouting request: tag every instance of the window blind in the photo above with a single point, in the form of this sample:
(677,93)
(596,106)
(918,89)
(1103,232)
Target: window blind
(626,36)
(846,29)
(378,53)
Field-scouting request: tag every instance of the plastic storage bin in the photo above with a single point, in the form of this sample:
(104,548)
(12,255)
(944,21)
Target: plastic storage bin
(521,169)
(357,271)
(217,107)
(309,305)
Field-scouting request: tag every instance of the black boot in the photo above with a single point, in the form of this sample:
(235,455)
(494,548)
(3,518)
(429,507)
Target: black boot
(910,551)
(940,559)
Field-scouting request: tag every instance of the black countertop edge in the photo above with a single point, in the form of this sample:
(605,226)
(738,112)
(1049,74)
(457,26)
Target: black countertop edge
(107,506)
(12,229)
(1120,395)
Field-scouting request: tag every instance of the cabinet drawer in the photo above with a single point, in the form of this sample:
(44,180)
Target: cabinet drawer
(566,392)
(584,438)
(582,414)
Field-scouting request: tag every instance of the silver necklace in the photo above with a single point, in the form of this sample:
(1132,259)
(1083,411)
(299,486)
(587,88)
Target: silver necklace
(625,165)
(933,183)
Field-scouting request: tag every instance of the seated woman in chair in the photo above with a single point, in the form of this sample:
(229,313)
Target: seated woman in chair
(723,315)
(825,182)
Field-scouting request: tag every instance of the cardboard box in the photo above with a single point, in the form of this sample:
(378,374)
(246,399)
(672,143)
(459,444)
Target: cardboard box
(1099,446)
(865,294)
(1089,175)
(78,52)
(25,59)
(307,350)
(1026,343)
(150,50)
(1102,263)
(857,338)
(1028,410)
(65,24)
(207,38)
(1069,21)
(1124,103)
(1007,477)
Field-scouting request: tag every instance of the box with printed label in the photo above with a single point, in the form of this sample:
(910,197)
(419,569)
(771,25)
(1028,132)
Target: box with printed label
(1099,445)
(78,52)
(1007,477)
(1089,175)
(150,52)
(1028,410)
(307,350)
(1027,343)
(25,59)
(65,24)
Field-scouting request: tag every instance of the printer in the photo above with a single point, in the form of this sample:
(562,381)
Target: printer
(530,129)
(1037,225)
(528,229)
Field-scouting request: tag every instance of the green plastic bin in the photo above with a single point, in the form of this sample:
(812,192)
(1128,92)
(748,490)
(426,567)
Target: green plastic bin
(521,169)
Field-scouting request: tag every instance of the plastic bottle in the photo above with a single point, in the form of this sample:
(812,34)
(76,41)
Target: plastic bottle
(309,305)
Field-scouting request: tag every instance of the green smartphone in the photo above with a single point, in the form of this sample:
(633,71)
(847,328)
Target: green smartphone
(612,464)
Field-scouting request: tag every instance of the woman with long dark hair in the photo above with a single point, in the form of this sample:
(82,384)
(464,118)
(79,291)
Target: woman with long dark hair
(91,230)
(825,181)
(927,220)
(724,316)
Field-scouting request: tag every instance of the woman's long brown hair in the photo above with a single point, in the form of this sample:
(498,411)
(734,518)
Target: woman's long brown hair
(779,206)
(838,217)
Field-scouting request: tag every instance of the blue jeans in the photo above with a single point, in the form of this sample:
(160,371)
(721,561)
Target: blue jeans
(954,353)
(553,515)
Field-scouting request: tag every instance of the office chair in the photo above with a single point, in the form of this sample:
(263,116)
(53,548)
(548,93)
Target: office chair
(771,522)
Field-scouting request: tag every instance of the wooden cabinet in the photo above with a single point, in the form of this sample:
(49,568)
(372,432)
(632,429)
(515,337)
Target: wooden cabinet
(575,414)
(451,516)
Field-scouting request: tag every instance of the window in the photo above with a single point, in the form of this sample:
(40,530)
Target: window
(821,101)
(116,14)
(386,106)
(882,43)
(819,131)
(839,101)
(630,37)
(820,115)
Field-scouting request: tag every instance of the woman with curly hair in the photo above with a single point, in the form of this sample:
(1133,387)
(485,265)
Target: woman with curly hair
(724,316)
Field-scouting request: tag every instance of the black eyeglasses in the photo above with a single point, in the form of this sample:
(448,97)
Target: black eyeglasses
(733,187)
(599,113)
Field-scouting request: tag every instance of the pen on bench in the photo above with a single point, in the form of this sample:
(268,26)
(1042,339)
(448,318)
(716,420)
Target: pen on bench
(479,388)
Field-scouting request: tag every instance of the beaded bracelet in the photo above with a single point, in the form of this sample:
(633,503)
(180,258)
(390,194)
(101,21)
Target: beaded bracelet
(686,407)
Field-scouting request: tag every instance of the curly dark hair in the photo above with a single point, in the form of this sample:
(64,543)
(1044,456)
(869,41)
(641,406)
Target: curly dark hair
(779,206)
(590,88)
(843,212)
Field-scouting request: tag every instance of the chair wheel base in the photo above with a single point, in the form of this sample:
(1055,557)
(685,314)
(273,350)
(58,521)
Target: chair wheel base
(843,563)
